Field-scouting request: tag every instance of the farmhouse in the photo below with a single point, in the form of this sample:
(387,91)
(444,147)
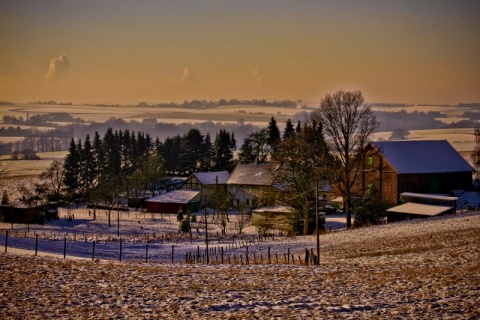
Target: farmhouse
(418,166)
(174,201)
(250,182)
(208,183)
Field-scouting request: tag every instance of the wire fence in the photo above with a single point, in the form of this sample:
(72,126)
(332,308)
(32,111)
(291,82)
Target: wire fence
(166,250)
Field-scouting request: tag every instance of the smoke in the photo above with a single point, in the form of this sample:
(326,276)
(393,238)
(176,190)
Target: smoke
(256,75)
(58,66)
(187,76)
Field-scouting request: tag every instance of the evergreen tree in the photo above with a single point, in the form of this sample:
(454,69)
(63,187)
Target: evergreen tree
(98,155)
(88,166)
(224,146)
(273,133)
(192,147)
(206,163)
(169,153)
(72,168)
(112,154)
(289,129)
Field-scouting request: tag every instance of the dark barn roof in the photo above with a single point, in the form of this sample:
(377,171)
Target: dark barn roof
(422,156)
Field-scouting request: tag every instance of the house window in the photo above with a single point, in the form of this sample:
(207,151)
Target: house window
(248,202)
(370,162)
(238,202)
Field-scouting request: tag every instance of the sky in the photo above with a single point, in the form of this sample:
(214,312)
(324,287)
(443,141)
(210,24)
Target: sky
(118,51)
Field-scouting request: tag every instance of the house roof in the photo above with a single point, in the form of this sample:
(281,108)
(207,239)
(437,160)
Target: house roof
(177,196)
(422,156)
(277,209)
(209,178)
(420,209)
(251,174)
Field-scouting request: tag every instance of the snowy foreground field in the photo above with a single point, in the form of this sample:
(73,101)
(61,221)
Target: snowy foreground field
(418,269)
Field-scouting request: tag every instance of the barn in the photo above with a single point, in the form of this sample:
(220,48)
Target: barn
(418,166)
(174,201)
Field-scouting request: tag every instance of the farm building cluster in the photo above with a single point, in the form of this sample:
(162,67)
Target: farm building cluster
(418,178)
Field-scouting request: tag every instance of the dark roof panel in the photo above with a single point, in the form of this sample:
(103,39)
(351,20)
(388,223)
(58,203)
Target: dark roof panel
(422,156)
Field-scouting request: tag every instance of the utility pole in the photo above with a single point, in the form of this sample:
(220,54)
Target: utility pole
(206,233)
(317,262)
(118,214)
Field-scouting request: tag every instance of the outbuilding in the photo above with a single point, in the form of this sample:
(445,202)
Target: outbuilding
(174,201)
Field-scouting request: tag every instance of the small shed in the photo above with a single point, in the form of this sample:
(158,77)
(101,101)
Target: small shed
(173,201)
(276,217)
(417,205)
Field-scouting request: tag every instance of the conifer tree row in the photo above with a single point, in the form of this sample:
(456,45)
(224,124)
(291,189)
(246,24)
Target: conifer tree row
(135,163)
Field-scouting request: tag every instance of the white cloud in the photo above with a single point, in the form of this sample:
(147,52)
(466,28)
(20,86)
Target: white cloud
(187,76)
(58,66)
(256,75)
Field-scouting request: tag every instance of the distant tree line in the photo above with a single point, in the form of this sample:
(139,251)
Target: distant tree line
(202,104)
(52,102)
(42,119)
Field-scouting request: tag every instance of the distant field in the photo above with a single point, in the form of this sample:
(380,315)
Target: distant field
(450,111)
(21,168)
(461,139)
(230,113)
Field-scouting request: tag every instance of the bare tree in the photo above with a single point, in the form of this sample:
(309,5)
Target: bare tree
(348,124)
(53,178)
(3,174)
(399,134)
(475,157)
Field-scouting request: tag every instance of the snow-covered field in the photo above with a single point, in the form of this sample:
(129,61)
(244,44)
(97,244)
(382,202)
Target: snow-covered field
(418,269)
(160,232)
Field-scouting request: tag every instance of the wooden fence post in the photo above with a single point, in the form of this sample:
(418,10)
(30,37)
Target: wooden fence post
(6,240)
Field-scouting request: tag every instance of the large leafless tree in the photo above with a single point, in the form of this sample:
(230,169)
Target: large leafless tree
(348,124)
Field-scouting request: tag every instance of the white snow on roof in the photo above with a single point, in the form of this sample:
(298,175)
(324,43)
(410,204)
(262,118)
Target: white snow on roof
(209,178)
(428,196)
(176,196)
(420,209)
(422,156)
(282,209)
(251,174)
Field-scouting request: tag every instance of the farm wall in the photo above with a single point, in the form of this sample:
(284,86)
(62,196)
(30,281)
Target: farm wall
(35,215)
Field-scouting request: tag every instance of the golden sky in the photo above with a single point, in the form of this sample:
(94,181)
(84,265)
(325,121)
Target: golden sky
(118,51)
